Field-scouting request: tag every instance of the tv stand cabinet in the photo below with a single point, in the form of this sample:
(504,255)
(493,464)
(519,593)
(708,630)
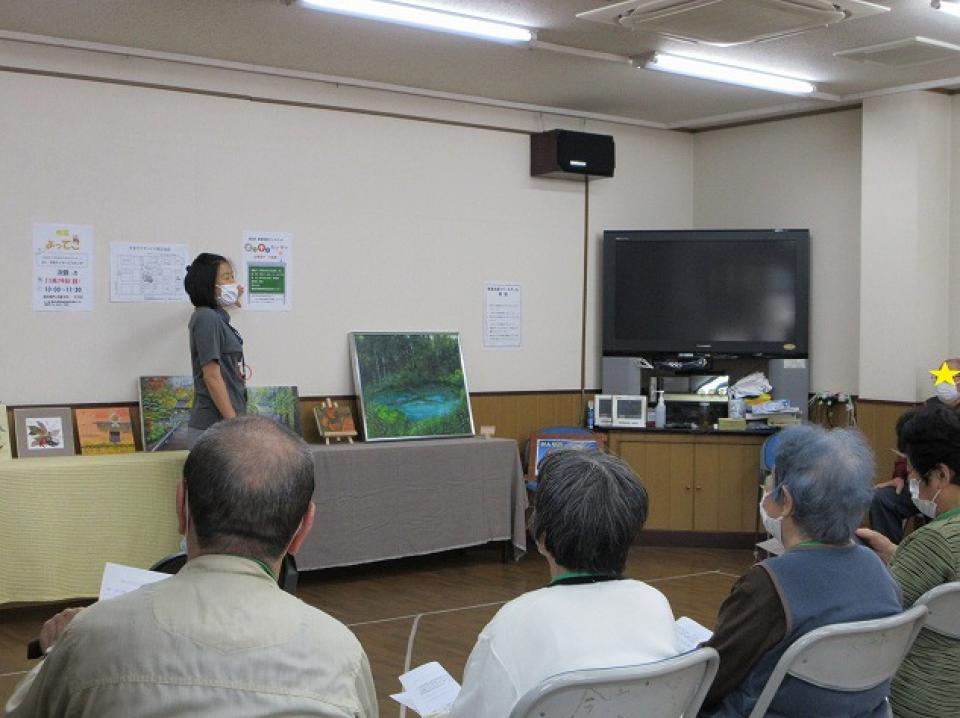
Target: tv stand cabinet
(703,487)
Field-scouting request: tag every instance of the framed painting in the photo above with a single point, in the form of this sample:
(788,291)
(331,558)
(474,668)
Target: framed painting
(410,385)
(105,431)
(334,420)
(280,403)
(5,451)
(165,403)
(44,431)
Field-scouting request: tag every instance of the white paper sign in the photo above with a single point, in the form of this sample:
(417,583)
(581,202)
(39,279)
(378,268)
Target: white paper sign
(62,267)
(119,579)
(148,272)
(428,689)
(267,271)
(502,315)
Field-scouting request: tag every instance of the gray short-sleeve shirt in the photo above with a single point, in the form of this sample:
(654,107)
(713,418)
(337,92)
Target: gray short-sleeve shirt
(213,339)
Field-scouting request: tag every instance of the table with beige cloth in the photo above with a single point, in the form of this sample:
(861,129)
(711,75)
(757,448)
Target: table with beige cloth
(62,518)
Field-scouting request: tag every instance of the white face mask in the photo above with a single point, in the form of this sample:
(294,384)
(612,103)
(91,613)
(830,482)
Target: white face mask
(947,393)
(229,293)
(774,526)
(927,507)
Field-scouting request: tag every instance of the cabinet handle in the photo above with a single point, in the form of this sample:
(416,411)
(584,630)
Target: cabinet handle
(686,488)
(699,488)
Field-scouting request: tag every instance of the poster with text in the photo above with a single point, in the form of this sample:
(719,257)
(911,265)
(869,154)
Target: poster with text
(267,271)
(502,315)
(148,272)
(62,267)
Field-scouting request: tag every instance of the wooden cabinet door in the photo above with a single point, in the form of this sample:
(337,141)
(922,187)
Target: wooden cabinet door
(667,471)
(726,486)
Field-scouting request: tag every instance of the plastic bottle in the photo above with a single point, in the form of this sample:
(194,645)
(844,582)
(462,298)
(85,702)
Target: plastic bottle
(590,415)
(660,416)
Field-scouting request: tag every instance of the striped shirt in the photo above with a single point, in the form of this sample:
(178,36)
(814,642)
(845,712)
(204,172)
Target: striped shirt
(928,682)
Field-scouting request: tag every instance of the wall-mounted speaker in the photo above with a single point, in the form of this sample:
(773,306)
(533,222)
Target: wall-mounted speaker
(564,154)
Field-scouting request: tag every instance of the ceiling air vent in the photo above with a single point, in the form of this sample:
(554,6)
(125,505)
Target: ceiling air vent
(729,22)
(903,53)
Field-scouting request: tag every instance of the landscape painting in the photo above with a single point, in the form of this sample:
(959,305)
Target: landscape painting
(411,385)
(165,403)
(280,403)
(105,431)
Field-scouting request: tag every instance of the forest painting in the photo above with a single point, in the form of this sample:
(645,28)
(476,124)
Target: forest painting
(411,386)
(280,403)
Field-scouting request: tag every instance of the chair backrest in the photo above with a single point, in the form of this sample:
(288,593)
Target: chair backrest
(943,602)
(665,689)
(767,453)
(848,657)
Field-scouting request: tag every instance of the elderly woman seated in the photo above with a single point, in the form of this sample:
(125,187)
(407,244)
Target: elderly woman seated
(821,485)
(928,683)
(590,507)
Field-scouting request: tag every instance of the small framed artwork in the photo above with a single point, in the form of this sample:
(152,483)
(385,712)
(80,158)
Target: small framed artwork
(280,403)
(105,431)
(5,451)
(44,431)
(334,421)
(543,443)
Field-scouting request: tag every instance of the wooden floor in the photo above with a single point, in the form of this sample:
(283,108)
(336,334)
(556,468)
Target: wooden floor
(433,607)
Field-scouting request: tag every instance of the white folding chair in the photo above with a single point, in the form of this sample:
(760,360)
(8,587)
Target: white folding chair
(665,689)
(846,657)
(943,602)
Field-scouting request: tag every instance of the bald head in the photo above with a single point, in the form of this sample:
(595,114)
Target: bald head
(249,482)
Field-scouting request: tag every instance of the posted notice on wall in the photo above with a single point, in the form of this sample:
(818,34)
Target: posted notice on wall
(502,315)
(267,271)
(62,267)
(148,272)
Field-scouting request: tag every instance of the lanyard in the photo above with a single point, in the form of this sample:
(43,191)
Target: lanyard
(572,578)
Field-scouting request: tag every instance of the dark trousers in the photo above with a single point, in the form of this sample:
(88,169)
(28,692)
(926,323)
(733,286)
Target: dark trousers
(889,510)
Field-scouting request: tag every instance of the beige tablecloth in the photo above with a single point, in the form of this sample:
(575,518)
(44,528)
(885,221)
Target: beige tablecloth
(61,519)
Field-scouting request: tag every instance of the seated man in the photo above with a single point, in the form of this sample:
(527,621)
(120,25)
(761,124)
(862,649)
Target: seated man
(819,489)
(219,638)
(590,507)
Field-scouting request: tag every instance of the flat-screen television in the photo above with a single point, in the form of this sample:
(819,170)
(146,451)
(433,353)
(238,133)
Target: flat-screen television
(706,292)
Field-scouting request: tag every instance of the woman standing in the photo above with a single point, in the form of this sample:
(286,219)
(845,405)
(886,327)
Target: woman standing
(216,348)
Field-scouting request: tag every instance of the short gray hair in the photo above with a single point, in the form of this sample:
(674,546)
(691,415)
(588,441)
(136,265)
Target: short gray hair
(590,507)
(249,482)
(829,474)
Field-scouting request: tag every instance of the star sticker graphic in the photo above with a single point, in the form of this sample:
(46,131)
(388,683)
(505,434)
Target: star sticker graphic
(944,375)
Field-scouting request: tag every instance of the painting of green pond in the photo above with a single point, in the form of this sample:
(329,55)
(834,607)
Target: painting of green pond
(411,386)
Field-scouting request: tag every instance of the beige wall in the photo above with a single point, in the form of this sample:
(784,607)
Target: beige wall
(397,223)
(797,173)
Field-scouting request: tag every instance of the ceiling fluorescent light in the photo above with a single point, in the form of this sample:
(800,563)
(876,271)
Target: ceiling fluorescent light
(724,73)
(425,18)
(947,7)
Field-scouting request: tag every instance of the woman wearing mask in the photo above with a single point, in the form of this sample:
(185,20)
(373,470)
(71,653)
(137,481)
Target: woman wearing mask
(928,683)
(216,348)
(821,484)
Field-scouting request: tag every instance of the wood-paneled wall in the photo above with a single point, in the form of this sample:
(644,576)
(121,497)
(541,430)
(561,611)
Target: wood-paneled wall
(516,414)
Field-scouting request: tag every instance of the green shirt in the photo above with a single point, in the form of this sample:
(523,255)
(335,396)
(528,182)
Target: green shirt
(928,682)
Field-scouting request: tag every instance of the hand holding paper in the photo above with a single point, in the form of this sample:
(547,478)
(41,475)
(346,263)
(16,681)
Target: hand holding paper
(428,689)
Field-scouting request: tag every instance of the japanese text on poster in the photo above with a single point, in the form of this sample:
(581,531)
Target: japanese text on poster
(268,271)
(148,272)
(502,315)
(62,267)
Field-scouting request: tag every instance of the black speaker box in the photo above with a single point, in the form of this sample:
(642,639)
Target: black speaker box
(563,154)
